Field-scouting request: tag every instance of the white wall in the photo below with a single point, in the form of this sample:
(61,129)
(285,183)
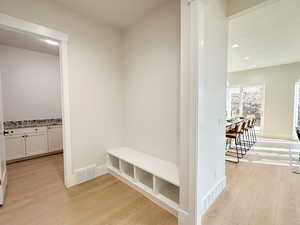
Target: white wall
(30,84)
(211,66)
(279,82)
(95,77)
(151,83)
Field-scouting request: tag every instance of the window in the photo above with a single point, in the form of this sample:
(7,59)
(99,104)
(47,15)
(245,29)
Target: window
(247,102)
(297,104)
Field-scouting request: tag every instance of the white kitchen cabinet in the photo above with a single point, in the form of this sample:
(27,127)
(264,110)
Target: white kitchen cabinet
(28,142)
(36,144)
(55,138)
(15,147)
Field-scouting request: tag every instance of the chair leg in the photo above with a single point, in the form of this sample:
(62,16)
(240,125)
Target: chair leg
(243,143)
(228,147)
(227,143)
(237,151)
(254,132)
(246,141)
(252,137)
(249,139)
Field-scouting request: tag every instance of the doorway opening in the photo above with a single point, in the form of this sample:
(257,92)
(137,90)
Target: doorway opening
(263,68)
(36,121)
(31,101)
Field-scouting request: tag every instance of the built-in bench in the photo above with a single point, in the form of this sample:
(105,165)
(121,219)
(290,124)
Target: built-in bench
(156,178)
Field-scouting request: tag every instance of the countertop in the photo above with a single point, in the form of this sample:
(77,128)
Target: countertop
(9,125)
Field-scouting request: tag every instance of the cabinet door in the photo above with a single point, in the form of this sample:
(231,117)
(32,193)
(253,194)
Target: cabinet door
(36,144)
(55,139)
(15,147)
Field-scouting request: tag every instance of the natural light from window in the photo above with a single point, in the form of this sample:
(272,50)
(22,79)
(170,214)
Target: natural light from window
(297,104)
(247,102)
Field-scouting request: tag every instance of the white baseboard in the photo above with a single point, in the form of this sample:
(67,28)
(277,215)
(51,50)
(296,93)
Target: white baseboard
(277,136)
(99,171)
(183,218)
(213,194)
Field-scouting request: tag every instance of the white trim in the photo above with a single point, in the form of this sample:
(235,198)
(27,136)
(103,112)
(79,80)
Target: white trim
(277,135)
(188,114)
(27,27)
(3,171)
(252,9)
(64,71)
(3,187)
(213,194)
(265,162)
(12,23)
(101,170)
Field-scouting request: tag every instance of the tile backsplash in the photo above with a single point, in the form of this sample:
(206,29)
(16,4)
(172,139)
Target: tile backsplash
(31,123)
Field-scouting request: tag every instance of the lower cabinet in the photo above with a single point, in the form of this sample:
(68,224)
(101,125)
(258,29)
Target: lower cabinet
(28,142)
(36,144)
(15,147)
(55,138)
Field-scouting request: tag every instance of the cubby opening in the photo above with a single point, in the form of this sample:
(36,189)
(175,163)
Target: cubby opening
(167,189)
(114,162)
(127,168)
(144,177)
(159,179)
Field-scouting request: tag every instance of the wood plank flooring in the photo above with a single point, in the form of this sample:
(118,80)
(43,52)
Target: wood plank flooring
(255,195)
(36,196)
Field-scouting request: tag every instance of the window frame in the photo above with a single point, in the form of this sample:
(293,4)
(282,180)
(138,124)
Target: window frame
(263,86)
(296,107)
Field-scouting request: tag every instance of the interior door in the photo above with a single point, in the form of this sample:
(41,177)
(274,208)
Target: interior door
(3,174)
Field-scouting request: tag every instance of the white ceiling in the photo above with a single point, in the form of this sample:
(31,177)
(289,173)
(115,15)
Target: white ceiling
(268,36)
(119,13)
(26,41)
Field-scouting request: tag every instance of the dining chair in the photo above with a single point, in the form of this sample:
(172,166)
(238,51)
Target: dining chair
(236,134)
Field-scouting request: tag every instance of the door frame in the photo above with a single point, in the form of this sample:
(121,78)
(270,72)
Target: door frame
(188,116)
(19,25)
(3,173)
(193,203)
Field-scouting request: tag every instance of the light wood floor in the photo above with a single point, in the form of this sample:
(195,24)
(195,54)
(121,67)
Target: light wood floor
(36,196)
(255,195)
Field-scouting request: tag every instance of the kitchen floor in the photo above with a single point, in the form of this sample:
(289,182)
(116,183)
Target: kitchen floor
(255,195)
